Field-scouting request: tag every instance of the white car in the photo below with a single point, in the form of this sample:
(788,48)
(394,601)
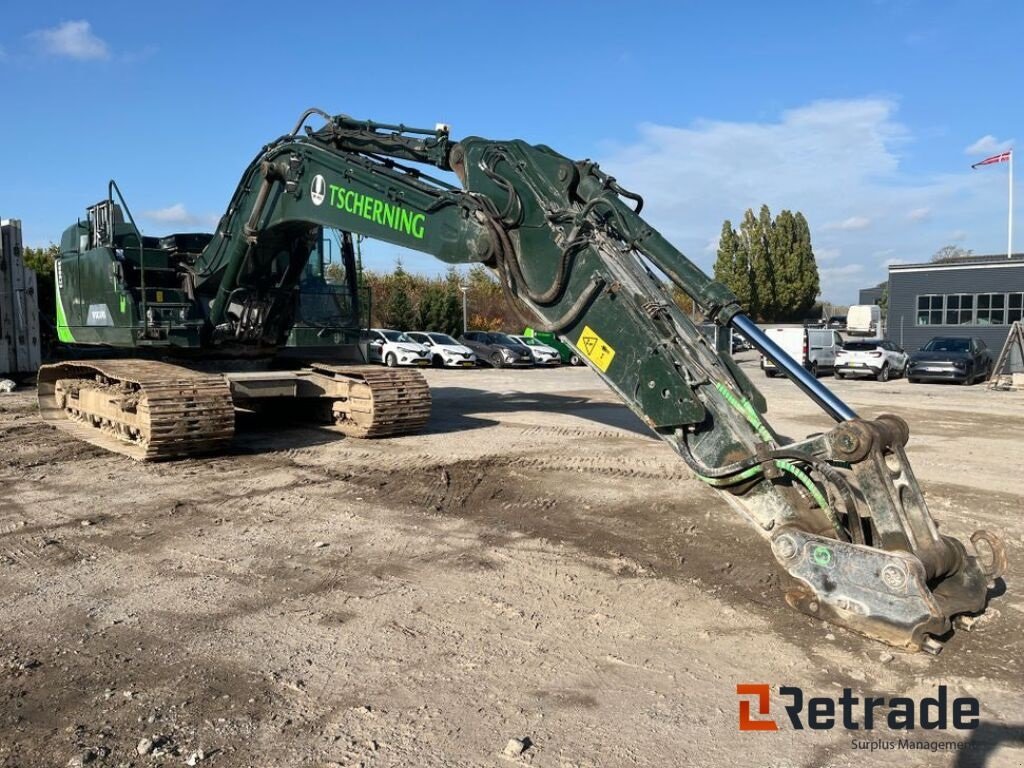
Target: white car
(878,358)
(394,348)
(813,348)
(542,353)
(445,352)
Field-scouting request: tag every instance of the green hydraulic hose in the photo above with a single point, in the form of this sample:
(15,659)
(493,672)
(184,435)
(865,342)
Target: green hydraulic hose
(718,482)
(744,406)
(812,489)
(800,475)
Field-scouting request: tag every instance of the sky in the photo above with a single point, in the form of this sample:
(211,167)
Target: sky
(865,116)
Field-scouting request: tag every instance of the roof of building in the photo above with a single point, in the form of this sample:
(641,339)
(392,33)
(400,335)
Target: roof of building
(966,261)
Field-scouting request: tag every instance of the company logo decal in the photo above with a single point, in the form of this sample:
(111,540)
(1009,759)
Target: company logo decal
(318,190)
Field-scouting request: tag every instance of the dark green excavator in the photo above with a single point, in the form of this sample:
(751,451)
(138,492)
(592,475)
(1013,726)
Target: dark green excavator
(188,314)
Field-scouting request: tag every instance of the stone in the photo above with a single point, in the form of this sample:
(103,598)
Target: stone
(84,757)
(516,747)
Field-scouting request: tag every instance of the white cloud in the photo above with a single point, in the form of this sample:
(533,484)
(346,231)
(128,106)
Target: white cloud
(73,39)
(891,262)
(178,214)
(920,214)
(958,235)
(850,224)
(988,145)
(843,271)
(838,162)
(827,254)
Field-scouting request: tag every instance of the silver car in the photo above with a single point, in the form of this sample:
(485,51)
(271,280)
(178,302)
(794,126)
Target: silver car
(542,353)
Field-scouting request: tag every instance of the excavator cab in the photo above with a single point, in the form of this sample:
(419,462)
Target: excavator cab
(332,308)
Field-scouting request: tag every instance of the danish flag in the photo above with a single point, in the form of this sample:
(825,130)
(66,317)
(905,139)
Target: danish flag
(1000,158)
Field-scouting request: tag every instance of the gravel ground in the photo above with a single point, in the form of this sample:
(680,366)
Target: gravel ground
(535,566)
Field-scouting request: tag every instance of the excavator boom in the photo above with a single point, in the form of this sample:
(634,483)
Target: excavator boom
(842,511)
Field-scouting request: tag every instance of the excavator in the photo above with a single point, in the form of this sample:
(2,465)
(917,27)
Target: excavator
(177,326)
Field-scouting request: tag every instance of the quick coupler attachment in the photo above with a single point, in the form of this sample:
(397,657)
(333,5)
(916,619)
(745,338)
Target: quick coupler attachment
(886,595)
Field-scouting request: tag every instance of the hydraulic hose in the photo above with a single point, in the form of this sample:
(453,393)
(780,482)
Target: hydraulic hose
(783,458)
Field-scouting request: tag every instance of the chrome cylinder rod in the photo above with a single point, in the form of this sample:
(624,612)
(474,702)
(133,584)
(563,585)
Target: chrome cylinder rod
(813,388)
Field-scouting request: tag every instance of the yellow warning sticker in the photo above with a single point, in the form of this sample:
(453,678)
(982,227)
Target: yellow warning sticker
(595,349)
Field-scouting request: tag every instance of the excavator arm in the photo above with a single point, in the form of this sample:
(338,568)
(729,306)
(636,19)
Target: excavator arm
(842,511)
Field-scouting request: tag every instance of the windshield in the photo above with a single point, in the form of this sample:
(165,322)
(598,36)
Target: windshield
(397,336)
(528,341)
(860,346)
(948,345)
(502,338)
(442,338)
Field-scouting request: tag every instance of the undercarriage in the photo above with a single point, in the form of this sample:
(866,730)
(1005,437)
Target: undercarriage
(151,410)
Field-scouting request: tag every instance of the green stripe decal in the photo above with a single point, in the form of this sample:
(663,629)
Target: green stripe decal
(63,332)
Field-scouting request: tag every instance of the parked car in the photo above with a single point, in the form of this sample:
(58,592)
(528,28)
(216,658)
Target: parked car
(740,343)
(864,320)
(814,348)
(876,357)
(498,349)
(951,358)
(542,353)
(445,352)
(567,353)
(392,348)
(838,322)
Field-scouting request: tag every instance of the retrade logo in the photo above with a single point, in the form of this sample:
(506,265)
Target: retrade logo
(856,713)
(318,190)
(762,692)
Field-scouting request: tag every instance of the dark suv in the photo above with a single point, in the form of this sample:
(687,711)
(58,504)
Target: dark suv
(498,349)
(964,359)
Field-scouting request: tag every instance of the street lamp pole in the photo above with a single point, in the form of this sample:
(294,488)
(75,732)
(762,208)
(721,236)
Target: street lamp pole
(465,290)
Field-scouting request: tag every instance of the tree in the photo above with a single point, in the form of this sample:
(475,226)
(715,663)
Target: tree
(451,314)
(682,300)
(40,260)
(732,267)
(488,309)
(769,265)
(396,307)
(751,249)
(414,302)
(805,272)
(950,253)
(762,262)
(430,309)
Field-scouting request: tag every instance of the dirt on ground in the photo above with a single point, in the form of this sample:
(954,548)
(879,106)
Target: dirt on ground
(534,566)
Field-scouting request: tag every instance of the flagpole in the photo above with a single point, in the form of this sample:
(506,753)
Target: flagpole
(1009,219)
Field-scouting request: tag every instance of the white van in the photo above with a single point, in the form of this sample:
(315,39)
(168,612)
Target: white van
(814,348)
(864,320)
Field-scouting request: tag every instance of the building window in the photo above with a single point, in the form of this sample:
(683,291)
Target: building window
(1015,302)
(991,309)
(929,310)
(959,309)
